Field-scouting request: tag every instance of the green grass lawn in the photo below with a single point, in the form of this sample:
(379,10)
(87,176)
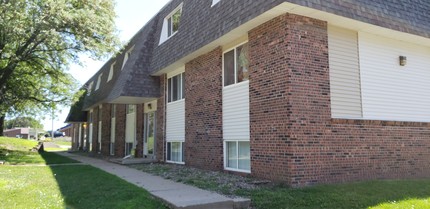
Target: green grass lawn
(372,194)
(78,186)
(62,186)
(16,152)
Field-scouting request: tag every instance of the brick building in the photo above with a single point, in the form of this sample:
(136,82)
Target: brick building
(303,92)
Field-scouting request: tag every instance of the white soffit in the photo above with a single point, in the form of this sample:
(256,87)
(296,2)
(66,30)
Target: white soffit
(286,7)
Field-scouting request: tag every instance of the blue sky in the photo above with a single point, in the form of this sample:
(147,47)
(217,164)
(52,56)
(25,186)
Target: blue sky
(131,16)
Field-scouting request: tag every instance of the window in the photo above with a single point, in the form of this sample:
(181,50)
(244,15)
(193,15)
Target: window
(113,111)
(126,56)
(171,24)
(175,152)
(129,148)
(237,156)
(176,87)
(91,117)
(131,109)
(112,67)
(215,2)
(100,113)
(90,87)
(98,81)
(236,65)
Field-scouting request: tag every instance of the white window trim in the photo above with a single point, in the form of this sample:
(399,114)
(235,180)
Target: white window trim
(237,150)
(175,162)
(98,82)
(164,31)
(235,65)
(127,56)
(111,71)
(182,73)
(90,87)
(214,2)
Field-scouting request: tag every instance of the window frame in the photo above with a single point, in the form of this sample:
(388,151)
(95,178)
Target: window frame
(182,155)
(237,158)
(111,71)
(170,24)
(180,84)
(127,56)
(234,49)
(169,27)
(99,80)
(131,109)
(214,2)
(90,88)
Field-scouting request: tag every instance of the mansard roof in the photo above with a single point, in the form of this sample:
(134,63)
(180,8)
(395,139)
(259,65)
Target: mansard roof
(202,25)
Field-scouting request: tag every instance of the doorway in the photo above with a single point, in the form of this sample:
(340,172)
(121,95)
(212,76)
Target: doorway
(149,137)
(130,130)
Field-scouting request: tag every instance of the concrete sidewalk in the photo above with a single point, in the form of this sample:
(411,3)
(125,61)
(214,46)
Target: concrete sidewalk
(175,194)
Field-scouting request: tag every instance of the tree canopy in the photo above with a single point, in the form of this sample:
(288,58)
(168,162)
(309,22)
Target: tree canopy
(23,122)
(39,39)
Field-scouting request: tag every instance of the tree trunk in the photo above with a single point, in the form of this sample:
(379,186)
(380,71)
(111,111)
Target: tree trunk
(1,124)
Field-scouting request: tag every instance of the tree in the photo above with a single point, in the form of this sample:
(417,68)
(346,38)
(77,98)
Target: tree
(23,122)
(39,39)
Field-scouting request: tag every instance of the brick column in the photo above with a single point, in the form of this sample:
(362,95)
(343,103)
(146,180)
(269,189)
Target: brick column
(160,146)
(287,54)
(203,111)
(120,130)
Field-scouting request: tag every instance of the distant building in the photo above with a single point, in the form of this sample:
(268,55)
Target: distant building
(67,130)
(23,133)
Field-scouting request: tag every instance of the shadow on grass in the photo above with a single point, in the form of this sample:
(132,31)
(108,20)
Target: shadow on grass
(83,186)
(371,194)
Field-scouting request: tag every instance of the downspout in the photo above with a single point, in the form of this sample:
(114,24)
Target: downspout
(164,115)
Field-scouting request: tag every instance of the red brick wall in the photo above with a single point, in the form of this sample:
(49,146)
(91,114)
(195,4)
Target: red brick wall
(203,111)
(120,130)
(95,146)
(294,139)
(139,130)
(160,145)
(12,133)
(106,128)
(268,87)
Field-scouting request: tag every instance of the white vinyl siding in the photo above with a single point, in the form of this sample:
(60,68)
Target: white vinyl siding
(235,109)
(130,130)
(175,121)
(344,73)
(391,91)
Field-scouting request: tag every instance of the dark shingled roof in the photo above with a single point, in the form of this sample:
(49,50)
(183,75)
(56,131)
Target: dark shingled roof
(76,113)
(201,24)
